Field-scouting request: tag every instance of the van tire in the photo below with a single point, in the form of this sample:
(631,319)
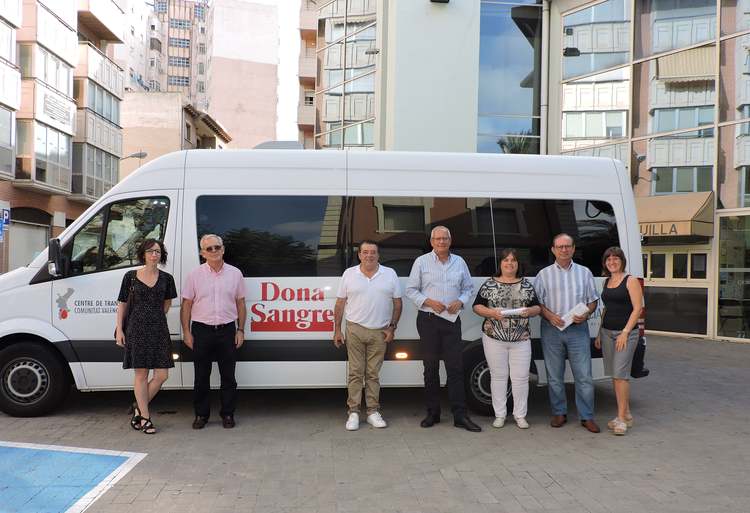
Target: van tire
(477,383)
(33,380)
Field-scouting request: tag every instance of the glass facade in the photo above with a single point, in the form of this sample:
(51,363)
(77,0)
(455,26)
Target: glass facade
(734,277)
(510,40)
(345,91)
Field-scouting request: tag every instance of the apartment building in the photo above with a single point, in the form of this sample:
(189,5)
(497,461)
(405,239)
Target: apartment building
(308,31)
(140,53)
(98,88)
(184,53)
(244,70)
(64,138)
(157,123)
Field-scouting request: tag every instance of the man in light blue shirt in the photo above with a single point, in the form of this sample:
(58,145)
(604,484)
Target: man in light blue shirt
(560,287)
(440,285)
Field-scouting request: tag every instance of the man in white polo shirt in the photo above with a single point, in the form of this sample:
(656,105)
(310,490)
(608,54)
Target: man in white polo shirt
(369,297)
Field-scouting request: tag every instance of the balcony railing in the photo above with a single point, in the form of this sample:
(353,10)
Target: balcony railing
(10,90)
(98,67)
(97,131)
(306,115)
(104,18)
(307,67)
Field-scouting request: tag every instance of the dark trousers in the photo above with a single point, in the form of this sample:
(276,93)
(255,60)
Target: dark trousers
(214,344)
(440,338)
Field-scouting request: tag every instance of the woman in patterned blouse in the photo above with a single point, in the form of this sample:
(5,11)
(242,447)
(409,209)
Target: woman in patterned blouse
(506,301)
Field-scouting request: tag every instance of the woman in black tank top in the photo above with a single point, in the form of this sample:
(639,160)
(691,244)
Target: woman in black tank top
(618,338)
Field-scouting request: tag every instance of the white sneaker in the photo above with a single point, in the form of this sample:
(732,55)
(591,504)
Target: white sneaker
(352,423)
(376,420)
(521,423)
(498,422)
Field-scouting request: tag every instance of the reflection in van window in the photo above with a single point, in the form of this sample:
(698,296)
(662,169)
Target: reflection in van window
(592,225)
(128,224)
(401,226)
(267,236)
(85,248)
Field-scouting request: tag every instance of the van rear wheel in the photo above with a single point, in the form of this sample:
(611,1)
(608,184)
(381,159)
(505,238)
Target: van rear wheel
(477,384)
(33,380)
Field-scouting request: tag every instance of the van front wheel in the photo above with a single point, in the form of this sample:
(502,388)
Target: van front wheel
(33,380)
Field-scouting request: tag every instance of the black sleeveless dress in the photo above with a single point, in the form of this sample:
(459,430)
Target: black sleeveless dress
(147,341)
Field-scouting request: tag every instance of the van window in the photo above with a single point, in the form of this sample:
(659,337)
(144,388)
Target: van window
(111,238)
(267,236)
(401,226)
(530,230)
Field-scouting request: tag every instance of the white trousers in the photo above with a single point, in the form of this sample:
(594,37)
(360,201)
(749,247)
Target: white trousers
(506,358)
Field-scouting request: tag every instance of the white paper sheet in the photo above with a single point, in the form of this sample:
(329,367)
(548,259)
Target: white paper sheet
(512,312)
(448,316)
(579,309)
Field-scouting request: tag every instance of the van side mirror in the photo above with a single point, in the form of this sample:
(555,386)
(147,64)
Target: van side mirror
(55,258)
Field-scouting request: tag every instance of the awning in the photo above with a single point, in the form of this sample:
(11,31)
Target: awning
(697,64)
(676,215)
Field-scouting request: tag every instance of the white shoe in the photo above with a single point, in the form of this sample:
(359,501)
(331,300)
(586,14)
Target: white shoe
(521,423)
(620,427)
(498,422)
(376,420)
(352,423)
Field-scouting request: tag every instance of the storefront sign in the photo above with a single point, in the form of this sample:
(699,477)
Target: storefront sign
(665,229)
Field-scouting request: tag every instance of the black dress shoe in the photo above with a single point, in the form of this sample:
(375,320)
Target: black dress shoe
(466,423)
(430,420)
(227,421)
(200,422)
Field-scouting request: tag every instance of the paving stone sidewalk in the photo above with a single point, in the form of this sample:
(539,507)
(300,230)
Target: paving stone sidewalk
(689,450)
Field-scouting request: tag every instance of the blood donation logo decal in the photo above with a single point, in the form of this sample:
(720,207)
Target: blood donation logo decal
(279,309)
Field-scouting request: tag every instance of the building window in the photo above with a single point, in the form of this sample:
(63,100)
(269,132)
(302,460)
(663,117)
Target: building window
(403,218)
(94,171)
(154,85)
(7,156)
(596,38)
(698,265)
(103,102)
(178,81)
(509,80)
(666,120)
(183,62)
(179,24)
(7,42)
(658,263)
(199,11)
(201,68)
(52,71)
(594,125)
(160,6)
(309,97)
(179,42)
(201,48)
(202,30)
(188,132)
(674,180)
(52,152)
(201,86)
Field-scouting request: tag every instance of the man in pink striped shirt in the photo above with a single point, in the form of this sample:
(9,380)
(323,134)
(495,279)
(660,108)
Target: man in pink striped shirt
(213,298)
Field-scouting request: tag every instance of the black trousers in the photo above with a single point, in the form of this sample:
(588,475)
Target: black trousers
(441,339)
(214,344)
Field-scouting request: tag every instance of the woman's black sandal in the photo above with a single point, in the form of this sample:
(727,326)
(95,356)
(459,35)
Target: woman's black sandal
(148,427)
(135,420)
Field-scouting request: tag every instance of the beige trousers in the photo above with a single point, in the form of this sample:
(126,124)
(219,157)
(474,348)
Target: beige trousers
(366,350)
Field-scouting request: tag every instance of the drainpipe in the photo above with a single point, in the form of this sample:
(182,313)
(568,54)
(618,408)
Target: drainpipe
(544,102)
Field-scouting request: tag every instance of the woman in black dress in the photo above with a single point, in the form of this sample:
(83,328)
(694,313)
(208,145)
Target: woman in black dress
(145,297)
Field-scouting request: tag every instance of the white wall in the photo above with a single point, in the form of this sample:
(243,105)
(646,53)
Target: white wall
(429,75)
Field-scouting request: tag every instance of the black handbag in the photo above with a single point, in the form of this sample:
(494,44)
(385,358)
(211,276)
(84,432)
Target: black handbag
(130,306)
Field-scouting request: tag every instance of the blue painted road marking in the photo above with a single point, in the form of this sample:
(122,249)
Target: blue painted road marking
(53,479)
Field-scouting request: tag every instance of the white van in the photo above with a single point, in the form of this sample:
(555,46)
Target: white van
(291,221)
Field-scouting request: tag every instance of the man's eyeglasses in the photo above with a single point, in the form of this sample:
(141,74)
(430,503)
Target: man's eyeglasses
(212,249)
(565,246)
(154,251)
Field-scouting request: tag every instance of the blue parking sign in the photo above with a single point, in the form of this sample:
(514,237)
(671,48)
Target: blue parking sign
(6,219)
